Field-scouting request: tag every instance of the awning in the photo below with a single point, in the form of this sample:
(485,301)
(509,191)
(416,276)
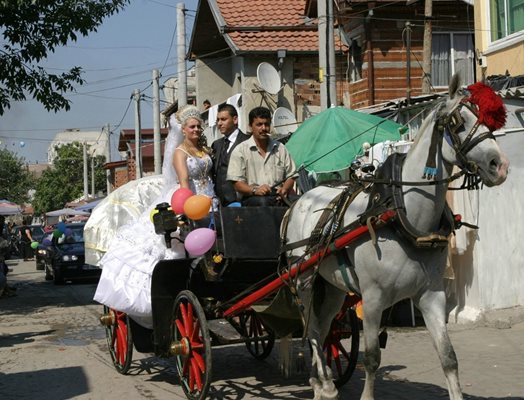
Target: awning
(88,206)
(9,208)
(65,211)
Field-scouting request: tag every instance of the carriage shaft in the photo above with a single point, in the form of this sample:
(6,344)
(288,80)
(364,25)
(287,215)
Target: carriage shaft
(277,283)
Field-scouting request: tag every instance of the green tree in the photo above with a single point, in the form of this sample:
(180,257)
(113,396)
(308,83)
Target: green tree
(34,29)
(64,181)
(15,178)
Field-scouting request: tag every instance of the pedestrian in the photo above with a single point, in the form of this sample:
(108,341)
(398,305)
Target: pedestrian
(227,124)
(25,239)
(261,168)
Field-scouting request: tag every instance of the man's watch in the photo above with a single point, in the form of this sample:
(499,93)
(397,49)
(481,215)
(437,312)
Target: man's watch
(253,190)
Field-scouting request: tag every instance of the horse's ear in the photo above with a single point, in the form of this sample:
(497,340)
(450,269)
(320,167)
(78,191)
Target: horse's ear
(454,85)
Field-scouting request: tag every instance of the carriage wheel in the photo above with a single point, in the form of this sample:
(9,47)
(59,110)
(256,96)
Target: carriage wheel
(342,357)
(191,345)
(119,338)
(262,339)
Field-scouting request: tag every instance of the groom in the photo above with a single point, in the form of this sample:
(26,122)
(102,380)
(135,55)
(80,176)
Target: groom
(227,122)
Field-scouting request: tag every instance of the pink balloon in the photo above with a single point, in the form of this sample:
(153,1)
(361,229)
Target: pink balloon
(179,198)
(199,241)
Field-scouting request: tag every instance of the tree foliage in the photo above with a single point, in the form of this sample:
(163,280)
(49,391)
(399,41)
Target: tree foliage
(34,29)
(64,181)
(15,178)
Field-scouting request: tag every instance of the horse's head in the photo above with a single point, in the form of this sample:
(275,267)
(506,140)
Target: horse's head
(467,123)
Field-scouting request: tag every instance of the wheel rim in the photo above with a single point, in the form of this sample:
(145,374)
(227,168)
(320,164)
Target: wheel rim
(191,336)
(262,339)
(341,359)
(119,340)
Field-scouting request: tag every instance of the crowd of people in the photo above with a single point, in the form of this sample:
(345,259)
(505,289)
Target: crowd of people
(238,169)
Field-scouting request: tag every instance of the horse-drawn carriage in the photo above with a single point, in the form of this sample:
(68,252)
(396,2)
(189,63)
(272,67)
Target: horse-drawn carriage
(198,303)
(387,244)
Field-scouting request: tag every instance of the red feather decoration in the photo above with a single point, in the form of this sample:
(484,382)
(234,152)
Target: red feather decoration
(492,112)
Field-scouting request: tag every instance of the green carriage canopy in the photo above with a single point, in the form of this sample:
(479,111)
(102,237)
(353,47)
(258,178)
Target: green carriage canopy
(332,139)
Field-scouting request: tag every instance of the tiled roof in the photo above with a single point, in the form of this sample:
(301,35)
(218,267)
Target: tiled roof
(262,12)
(268,25)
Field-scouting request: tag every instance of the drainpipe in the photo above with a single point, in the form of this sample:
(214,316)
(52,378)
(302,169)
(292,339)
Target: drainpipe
(369,48)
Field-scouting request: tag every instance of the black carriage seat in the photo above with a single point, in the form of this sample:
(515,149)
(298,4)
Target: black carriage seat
(251,232)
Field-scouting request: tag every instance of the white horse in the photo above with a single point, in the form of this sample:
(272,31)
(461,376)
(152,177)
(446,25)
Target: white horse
(391,268)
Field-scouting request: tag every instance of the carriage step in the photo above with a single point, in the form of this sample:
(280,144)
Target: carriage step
(224,332)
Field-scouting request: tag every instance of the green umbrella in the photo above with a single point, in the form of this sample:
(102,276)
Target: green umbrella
(332,139)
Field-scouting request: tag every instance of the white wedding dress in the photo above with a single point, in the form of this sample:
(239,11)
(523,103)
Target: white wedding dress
(127,266)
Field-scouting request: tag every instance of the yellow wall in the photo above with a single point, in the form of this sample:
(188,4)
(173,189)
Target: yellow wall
(505,57)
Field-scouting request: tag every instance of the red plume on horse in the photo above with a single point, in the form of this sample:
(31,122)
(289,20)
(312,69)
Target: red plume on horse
(492,112)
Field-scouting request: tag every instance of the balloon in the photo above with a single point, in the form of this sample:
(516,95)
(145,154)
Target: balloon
(57,233)
(47,242)
(179,198)
(235,204)
(61,227)
(34,245)
(197,206)
(68,232)
(199,241)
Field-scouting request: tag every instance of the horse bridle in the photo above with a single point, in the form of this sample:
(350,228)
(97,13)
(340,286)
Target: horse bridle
(453,123)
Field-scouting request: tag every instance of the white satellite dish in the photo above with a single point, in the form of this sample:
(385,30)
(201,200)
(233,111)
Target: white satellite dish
(284,121)
(268,78)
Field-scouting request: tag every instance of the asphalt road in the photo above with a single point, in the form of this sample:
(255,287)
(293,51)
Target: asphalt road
(52,348)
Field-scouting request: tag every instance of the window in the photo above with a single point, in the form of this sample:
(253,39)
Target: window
(452,53)
(506,18)
(355,61)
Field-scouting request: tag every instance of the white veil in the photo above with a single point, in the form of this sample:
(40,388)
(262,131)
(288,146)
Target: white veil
(173,140)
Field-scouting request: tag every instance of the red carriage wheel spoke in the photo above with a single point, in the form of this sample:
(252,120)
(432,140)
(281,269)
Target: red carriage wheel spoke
(190,321)
(195,336)
(181,328)
(200,362)
(197,373)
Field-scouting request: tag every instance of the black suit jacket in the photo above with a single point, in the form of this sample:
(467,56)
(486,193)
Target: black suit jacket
(224,189)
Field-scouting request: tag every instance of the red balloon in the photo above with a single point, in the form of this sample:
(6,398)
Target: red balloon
(179,198)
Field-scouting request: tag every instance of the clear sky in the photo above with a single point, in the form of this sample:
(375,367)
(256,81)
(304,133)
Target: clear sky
(117,59)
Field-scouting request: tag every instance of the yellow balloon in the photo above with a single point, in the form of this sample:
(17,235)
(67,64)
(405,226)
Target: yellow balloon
(197,207)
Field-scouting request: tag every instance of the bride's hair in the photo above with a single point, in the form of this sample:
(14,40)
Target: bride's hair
(187,112)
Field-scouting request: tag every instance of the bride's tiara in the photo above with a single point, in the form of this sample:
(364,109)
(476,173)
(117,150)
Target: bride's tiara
(188,112)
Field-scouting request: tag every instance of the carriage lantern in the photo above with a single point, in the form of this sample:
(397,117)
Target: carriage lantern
(165,222)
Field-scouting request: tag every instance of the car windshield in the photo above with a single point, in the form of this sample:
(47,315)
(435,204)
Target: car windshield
(73,234)
(37,232)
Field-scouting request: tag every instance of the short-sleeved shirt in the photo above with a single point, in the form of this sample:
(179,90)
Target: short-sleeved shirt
(247,165)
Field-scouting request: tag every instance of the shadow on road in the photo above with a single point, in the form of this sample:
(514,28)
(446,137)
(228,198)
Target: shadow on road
(46,384)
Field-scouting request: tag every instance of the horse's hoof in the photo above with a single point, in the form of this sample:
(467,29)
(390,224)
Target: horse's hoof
(317,388)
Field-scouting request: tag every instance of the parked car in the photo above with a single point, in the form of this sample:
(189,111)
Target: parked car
(37,233)
(65,257)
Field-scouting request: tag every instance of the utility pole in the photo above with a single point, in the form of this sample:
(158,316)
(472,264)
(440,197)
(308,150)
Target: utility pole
(86,185)
(323,72)
(426,53)
(108,158)
(138,140)
(408,62)
(93,176)
(332,71)
(181,54)
(156,123)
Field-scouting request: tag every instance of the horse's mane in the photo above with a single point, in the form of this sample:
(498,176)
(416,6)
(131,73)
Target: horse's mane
(492,112)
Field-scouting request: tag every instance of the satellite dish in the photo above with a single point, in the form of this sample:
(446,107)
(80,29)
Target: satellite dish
(284,121)
(268,78)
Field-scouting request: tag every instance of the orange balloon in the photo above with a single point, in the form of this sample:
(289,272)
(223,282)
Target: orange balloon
(197,207)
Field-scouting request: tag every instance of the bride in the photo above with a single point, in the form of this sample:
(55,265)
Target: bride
(127,266)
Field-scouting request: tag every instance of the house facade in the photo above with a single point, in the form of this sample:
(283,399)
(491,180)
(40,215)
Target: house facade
(499,37)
